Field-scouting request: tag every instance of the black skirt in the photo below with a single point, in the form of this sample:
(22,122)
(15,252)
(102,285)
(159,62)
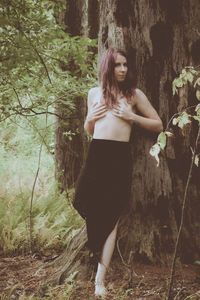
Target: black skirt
(102,191)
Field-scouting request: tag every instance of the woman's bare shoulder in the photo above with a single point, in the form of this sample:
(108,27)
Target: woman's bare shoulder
(94,90)
(134,97)
(138,95)
(92,94)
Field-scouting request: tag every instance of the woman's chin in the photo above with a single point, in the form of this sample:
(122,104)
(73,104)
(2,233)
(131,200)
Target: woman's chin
(121,79)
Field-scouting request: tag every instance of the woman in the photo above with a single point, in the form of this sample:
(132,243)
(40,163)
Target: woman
(103,188)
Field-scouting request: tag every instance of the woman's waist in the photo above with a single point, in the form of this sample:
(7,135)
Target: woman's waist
(109,149)
(113,133)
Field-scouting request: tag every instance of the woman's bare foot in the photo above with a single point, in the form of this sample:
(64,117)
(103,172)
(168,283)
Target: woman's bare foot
(100,289)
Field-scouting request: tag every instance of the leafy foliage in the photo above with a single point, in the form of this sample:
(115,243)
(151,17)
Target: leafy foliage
(54,219)
(40,64)
(41,67)
(188,75)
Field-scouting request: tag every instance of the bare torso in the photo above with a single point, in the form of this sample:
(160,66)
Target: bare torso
(111,127)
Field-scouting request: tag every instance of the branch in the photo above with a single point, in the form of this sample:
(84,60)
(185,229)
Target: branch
(31,203)
(33,189)
(38,132)
(128,265)
(34,48)
(177,114)
(169,296)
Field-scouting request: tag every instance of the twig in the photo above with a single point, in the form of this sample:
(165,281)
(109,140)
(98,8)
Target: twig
(169,297)
(31,202)
(33,189)
(128,265)
(179,292)
(191,296)
(177,114)
(17,112)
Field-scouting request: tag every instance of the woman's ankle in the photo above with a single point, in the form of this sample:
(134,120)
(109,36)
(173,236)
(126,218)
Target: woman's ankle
(101,273)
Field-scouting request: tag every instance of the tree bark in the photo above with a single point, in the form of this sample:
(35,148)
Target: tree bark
(75,17)
(70,153)
(160,38)
(93,19)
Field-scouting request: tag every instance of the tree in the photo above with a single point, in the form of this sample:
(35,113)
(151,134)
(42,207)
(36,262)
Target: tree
(161,37)
(154,34)
(70,140)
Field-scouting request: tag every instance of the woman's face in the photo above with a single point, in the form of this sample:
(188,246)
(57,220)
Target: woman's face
(121,68)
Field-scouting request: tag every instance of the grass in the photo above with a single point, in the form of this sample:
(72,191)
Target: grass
(53,217)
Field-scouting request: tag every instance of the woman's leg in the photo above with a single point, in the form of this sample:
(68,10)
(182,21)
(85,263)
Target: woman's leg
(106,256)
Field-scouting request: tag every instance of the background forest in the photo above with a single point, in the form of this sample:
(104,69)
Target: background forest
(40,68)
(48,62)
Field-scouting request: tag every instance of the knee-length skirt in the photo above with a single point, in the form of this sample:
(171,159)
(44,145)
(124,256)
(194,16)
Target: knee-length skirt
(102,191)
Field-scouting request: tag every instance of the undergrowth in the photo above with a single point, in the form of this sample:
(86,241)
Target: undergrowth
(53,217)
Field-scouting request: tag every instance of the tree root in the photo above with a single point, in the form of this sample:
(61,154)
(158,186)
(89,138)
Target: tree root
(73,261)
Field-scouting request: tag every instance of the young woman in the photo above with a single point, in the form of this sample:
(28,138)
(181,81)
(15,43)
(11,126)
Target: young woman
(103,188)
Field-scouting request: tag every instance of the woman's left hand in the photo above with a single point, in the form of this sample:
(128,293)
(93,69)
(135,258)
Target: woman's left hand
(123,111)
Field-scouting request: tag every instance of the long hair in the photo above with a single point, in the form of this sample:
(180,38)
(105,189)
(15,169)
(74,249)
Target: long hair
(109,85)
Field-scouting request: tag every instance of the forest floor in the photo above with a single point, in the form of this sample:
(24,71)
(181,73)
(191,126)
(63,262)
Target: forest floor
(22,277)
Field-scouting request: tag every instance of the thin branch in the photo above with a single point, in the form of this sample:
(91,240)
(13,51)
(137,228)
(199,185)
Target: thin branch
(18,99)
(169,296)
(177,114)
(33,189)
(31,202)
(128,265)
(55,58)
(34,48)
(33,115)
(42,137)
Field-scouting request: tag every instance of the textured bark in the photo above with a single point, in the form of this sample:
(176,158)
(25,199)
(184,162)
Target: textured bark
(75,17)
(73,260)
(69,154)
(93,18)
(160,38)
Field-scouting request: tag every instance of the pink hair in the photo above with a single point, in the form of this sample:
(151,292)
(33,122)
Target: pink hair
(110,87)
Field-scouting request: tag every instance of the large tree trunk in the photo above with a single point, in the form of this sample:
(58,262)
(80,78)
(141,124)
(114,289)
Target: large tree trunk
(70,153)
(160,38)
(93,18)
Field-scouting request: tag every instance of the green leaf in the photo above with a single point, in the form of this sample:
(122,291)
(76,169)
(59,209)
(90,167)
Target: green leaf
(197,82)
(197,118)
(196,160)
(197,109)
(198,94)
(178,82)
(154,151)
(169,134)
(161,140)
(174,121)
(182,120)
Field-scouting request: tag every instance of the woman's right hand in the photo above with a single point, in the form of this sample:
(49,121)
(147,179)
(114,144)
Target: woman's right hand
(97,111)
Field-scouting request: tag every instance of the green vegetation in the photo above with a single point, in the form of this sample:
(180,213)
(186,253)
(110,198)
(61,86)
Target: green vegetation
(53,216)
(41,67)
(189,75)
(40,63)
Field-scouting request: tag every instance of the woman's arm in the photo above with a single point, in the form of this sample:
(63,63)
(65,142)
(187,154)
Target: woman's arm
(89,124)
(95,112)
(149,119)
